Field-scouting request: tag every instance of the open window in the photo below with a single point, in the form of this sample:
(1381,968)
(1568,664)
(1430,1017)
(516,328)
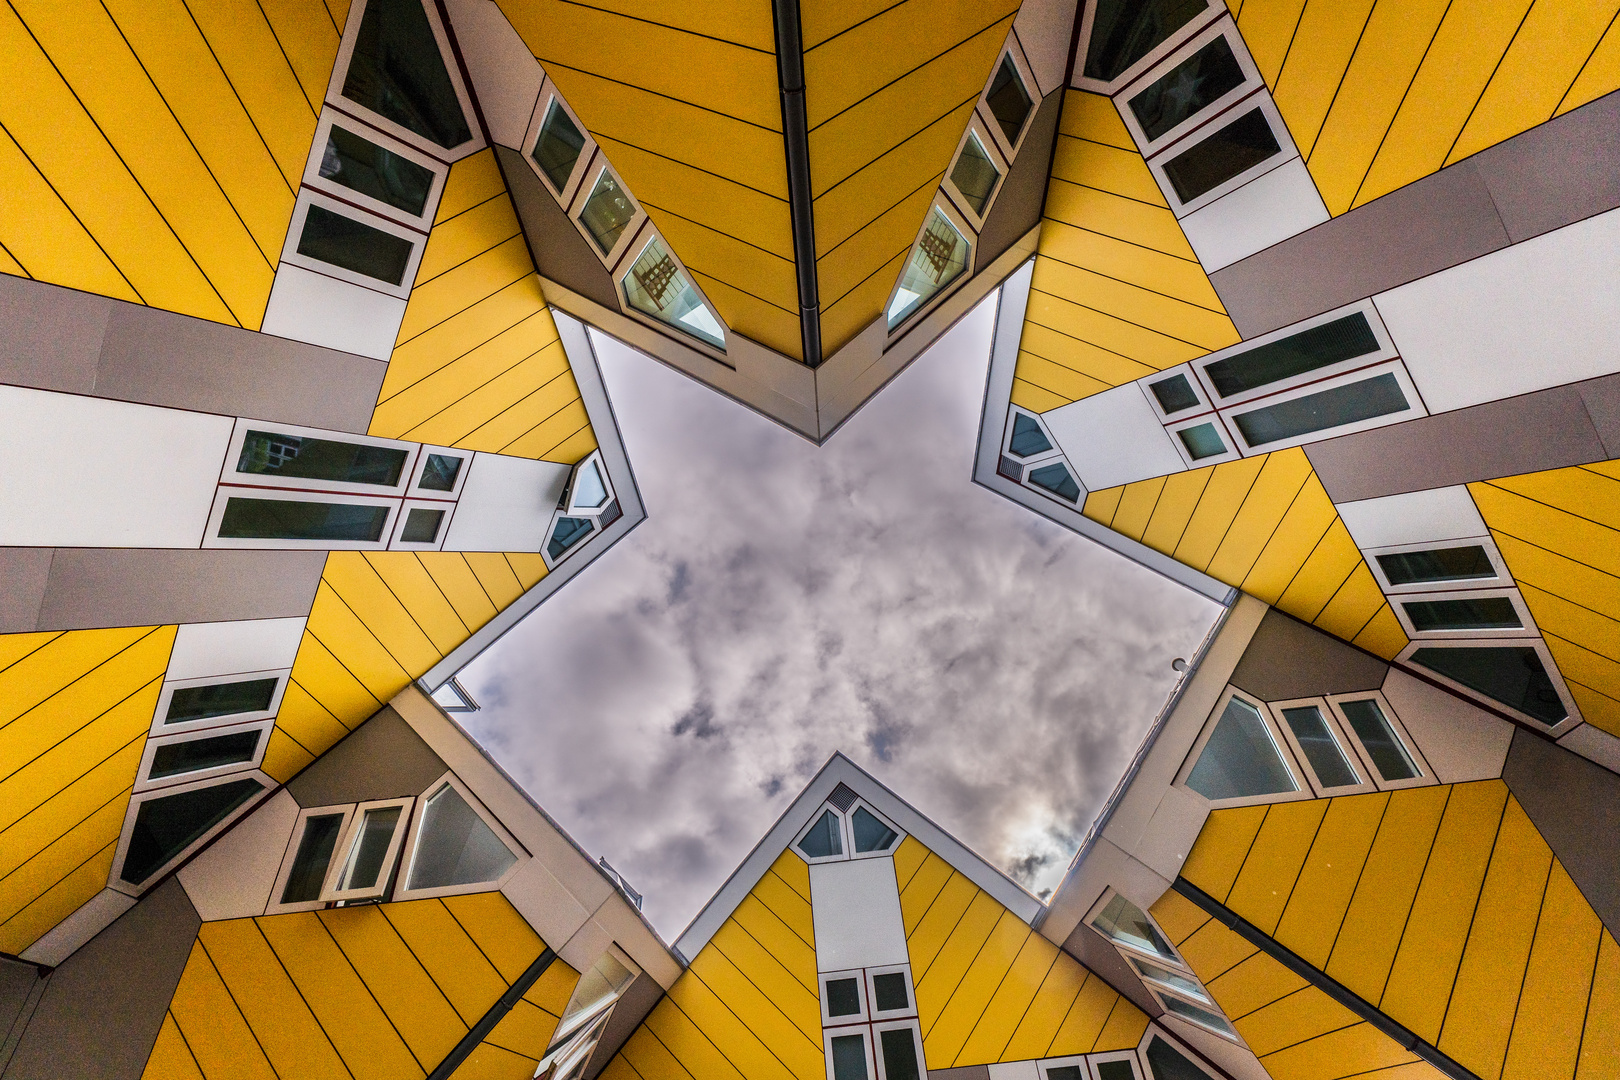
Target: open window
(589,489)
(455,845)
(568,533)
(586,1015)
(1241,757)
(1166,976)
(164,825)
(939,257)
(368,851)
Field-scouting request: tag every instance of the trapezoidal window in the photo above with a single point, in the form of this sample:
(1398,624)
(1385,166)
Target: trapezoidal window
(940,257)
(1241,759)
(189,703)
(357,163)
(1468,613)
(567,533)
(1309,350)
(658,288)
(1189,87)
(187,755)
(166,825)
(870,832)
(557,149)
(354,246)
(824,839)
(975,175)
(1055,478)
(454,845)
(1233,149)
(1351,403)
(398,72)
(1124,31)
(607,213)
(1027,437)
(1009,103)
(1467,562)
(1509,675)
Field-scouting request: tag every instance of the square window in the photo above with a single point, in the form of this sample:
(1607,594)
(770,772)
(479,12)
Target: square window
(889,992)
(557,149)
(1174,394)
(439,472)
(843,997)
(1202,441)
(421,526)
(607,213)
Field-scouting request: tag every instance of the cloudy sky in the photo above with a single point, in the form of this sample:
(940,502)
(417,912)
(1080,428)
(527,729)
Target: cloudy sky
(782,602)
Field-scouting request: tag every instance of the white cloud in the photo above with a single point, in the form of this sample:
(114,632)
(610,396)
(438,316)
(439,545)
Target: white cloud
(784,601)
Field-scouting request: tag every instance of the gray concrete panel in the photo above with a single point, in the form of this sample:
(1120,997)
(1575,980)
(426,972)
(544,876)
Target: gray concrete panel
(1602,400)
(50,337)
(560,250)
(637,1001)
(1289,659)
(1575,804)
(90,587)
(1549,429)
(1557,173)
(381,759)
(161,358)
(102,1009)
(18,982)
(1017,208)
(23,574)
(1097,953)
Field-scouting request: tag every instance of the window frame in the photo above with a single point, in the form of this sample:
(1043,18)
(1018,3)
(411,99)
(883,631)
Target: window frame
(1213,11)
(912,1025)
(1158,990)
(1205,398)
(531,138)
(414,460)
(1572,710)
(1128,950)
(551,527)
(1205,385)
(572,509)
(1155,1028)
(1301,780)
(849,1019)
(313,179)
(844,838)
(1108,1056)
(407,853)
(981,111)
(977,130)
(870,988)
(1415,407)
(158,728)
(865,1032)
(1224,26)
(1044,1066)
(396,531)
(310,196)
(1013,411)
(115,881)
(1348,746)
(330,893)
(643,233)
(340,73)
(944,205)
(144,782)
(1286,151)
(1425,776)
(591,175)
(216,515)
(1503,578)
(1511,594)
(414,474)
(1174,430)
(290,856)
(848,817)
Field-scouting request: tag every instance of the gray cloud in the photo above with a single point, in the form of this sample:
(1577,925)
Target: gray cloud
(783,601)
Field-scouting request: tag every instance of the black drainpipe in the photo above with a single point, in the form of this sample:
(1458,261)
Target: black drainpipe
(796,141)
(497,1012)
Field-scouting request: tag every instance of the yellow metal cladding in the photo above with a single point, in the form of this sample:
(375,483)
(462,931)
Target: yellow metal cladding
(685,107)
(151,152)
(1265,525)
(478,364)
(749,1004)
(379,992)
(1442,906)
(1379,95)
(888,93)
(989,988)
(1117,292)
(74,711)
(1559,532)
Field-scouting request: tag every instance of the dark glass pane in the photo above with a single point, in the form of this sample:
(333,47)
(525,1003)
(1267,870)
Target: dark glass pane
(823,839)
(1512,675)
(166,826)
(557,149)
(282,519)
(607,212)
(1065,1072)
(849,1057)
(1240,145)
(1168,1063)
(1378,396)
(1438,564)
(198,754)
(843,997)
(899,1054)
(1322,750)
(1308,350)
(1113,1070)
(366,857)
(1124,31)
(397,71)
(1008,100)
(314,855)
(1202,441)
(354,245)
(891,991)
(421,526)
(1174,394)
(1481,613)
(975,175)
(1240,760)
(361,165)
(569,531)
(220,699)
(270,453)
(1187,88)
(870,833)
(439,474)
(1388,754)
(1027,437)
(1056,479)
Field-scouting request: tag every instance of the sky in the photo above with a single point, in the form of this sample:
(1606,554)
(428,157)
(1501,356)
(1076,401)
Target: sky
(784,601)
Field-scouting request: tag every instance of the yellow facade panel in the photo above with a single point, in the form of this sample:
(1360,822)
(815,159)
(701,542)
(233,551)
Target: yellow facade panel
(721,256)
(893,177)
(495,926)
(1201,327)
(939,983)
(1306,521)
(1155,271)
(448,406)
(1551,573)
(171,1059)
(1084,1022)
(284,756)
(921,889)
(947,1032)
(500,412)
(1573,536)
(1304,1014)
(1026,395)
(1101,506)
(1274,491)
(1039,1025)
(485,338)
(1010,1002)
(745,1049)
(758,320)
(1213,950)
(730,20)
(784,991)
(876,243)
(1589,493)
(457,289)
(1124,1029)
(1274,862)
(354,580)
(1571,621)
(1095,118)
(466,236)
(1120,171)
(37,666)
(1175,508)
(323,711)
(1382,636)
(1065,383)
(1321,894)
(1600,1046)
(1229,486)
(455,579)
(405,577)
(491,1062)
(306,33)
(451,958)
(1177,916)
(1253,985)
(714,201)
(908,859)
(644,1057)
(526,1030)
(212,1024)
(1268,31)
(472,180)
(564,436)
(687,1044)
(358,654)
(1114,215)
(1092,343)
(1353,606)
(1318,55)
(927,939)
(495,574)
(843,321)
(61,879)
(1599,75)
(1350,1051)
(1326,569)
(788,906)
(737,1000)
(1136,507)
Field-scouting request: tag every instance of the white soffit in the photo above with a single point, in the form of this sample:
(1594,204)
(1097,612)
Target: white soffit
(1265,211)
(1416,517)
(855,907)
(321,310)
(1537,314)
(506,504)
(1114,438)
(230,648)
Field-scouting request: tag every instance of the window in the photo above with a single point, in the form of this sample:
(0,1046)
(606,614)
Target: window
(975,175)
(1168,1062)
(558,147)
(1115,1067)
(1174,394)
(1344,338)
(280,517)
(1239,756)
(369,849)
(607,213)
(1437,565)
(869,1021)
(589,491)
(1009,100)
(899,1046)
(364,167)
(566,534)
(940,257)
(1163,973)
(843,997)
(1211,76)
(303,880)
(193,755)
(849,1055)
(1201,1016)
(340,240)
(656,286)
(1124,32)
(162,826)
(1123,923)
(1056,479)
(1027,437)
(1462,613)
(890,991)
(440,472)
(273,453)
(870,833)
(209,700)
(856,831)
(1217,158)
(1202,441)
(823,840)
(586,1015)
(397,70)
(1342,405)
(1381,744)
(453,845)
(1314,735)
(1518,675)
(421,526)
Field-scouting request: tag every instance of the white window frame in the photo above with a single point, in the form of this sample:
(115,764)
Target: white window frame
(1214,10)
(1128,950)
(402,890)
(396,532)
(1425,775)
(233,456)
(1045,1065)
(1221,27)
(340,74)
(587,152)
(1008,150)
(114,881)
(414,474)
(1414,408)
(592,173)
(944,205)
(144,781)
(1205,386)
(849,828)
(308,197)
(345,847)
(1286,152)
(290,856)
(1093,1061)
(1522,610)
(642,233)
(1503,578)
(844,838)
(850,1019)
(992,147)
(313,178)
(282,675)
(1301,780)
(1030,467)
(1347,746)
(870,987)
(1232,453)
(551,527)
(1013,411)
(865,1032)
(1193,382)
(1156,1028)
(916,1037)
(212,539)
(1572,710)
(570,507)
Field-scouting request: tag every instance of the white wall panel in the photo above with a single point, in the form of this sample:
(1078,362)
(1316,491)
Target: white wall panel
(1114,438)
(855,906)
(89,472)
(321,310)
(1416,517)
(227,648)
(1265,211)
(1460,741)
(1537,314)
(505,75)
(506,504)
